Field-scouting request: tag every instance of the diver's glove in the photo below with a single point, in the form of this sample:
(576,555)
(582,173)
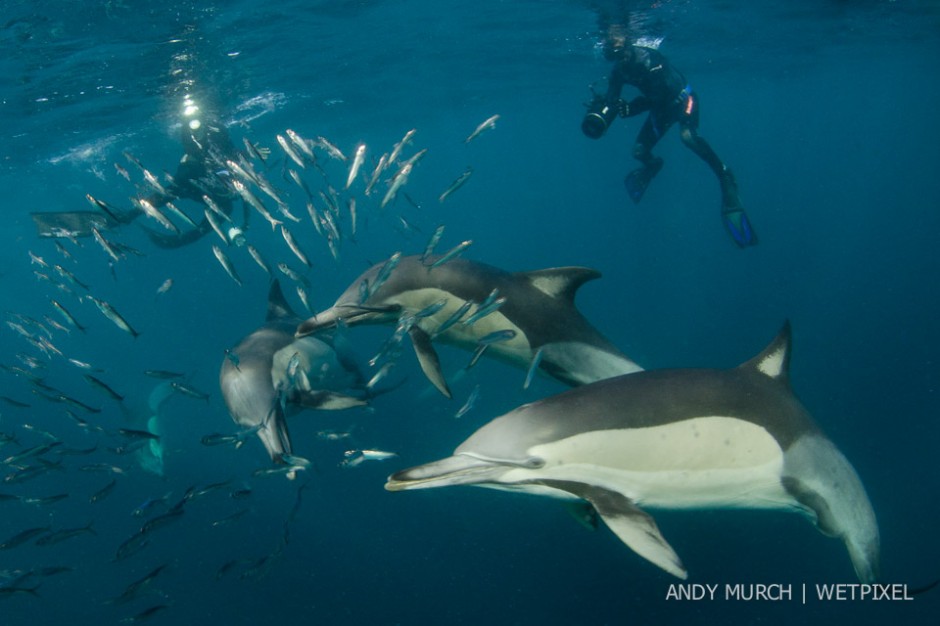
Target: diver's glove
(623,107)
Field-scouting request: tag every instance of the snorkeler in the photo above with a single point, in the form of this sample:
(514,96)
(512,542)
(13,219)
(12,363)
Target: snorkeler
(200,174)
(669,99)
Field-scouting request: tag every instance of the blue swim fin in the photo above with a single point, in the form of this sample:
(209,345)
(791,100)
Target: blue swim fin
(639,179)
(738,226)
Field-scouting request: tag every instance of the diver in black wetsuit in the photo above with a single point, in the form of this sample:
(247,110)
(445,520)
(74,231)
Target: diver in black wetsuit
(201,172)
(669,99)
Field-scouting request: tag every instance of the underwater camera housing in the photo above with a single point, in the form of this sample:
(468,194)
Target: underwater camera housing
(599,116)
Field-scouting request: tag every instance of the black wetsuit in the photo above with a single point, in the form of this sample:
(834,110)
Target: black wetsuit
(197,174)
(669,99)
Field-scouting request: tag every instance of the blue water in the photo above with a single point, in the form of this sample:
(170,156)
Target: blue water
(826,111)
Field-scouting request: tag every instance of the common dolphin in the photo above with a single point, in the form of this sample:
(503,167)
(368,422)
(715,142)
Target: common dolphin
(260,384)
(539,309)
(678,438)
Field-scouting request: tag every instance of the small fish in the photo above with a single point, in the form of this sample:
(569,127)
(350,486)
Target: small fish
(333,435)
(484,310)
(16,403)
(24,536)
(70,320)
(215,208)
(162,374)
(43,501)
(486,125)
(162,520)
(61,535)
(258,259)
(379,375)
(153,182)
(255,202)
(101,467)
(226,264)
(104,206)
(481,348)
(497,336)
(379,168)
(400,178)
(289,471)
(190,391)
(533,367)
(103,386)
(457,184)
(300,182)
(11,591)
(105,244)
(356,164)
(104,492)
(296,158)
(165,286)
(111,313)
(431,309)
(133,590)
(131,546)
(37,450)
(215,225)
(292,244)
(398,147)
(255,151)
(432,242)
(302,294)
(471,400)
(145,614)
(454,318)
(451,254)
(385,272)
(37,260)
(351,206)
(331,149)
(229,519)
(69,276)
(178,213)
(287,271)
(132,433)
(154,213)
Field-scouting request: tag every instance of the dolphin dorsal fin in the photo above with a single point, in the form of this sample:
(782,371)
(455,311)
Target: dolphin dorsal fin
(774,360)
(560,282)
(277,304)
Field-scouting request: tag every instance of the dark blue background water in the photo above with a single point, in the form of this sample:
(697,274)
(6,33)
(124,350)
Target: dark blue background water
(827,112)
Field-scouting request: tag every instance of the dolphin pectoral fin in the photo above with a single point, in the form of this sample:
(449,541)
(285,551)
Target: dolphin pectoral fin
(633,526)
(328,400)
(427,358)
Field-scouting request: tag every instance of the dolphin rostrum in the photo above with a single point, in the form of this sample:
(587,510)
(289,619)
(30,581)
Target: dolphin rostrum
(679,438)
(449,301)
(270,373)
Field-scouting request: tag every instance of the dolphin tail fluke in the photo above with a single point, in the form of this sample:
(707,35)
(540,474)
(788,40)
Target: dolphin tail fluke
(633,526)
(427,358)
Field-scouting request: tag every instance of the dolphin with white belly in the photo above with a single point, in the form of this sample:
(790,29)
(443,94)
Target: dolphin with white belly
(680,439)
(539,308)
(261,385)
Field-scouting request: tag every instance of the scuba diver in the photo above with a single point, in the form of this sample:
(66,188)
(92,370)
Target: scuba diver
(200,173)
(669,99)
